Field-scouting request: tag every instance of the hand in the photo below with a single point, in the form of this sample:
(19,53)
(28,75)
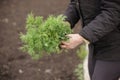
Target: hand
(74,41)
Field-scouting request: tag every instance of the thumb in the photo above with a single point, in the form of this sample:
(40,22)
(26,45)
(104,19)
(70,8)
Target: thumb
(69,35)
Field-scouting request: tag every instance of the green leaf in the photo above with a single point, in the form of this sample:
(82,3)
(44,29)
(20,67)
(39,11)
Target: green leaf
(44,35)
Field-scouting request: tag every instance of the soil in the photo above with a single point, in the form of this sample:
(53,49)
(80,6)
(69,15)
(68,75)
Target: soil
(16,65)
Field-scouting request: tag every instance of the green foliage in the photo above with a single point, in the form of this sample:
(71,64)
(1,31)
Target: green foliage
(44,36)
(79,72)
(82,52)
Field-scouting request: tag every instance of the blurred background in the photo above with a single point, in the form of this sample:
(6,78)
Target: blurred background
(16,65)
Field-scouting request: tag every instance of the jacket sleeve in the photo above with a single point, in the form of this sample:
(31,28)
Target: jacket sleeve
(107,21)
(71,13)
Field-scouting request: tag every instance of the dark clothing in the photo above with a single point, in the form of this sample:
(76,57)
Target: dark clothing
(101,27)
(102,20)
(91,60)
(106,73)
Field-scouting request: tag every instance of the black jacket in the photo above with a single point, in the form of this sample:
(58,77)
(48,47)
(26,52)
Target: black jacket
(102,23)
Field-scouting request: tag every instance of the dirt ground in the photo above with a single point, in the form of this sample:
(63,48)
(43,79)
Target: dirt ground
(16,65)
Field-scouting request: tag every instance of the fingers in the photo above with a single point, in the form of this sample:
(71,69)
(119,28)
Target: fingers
(74,41)
(64,45)
(69,35)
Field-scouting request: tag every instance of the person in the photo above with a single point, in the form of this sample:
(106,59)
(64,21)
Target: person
(101,28)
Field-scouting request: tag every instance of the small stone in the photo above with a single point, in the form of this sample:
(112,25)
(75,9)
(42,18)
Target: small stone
(14,23)
(48,71)
(20,71)
(39,70)
(5,20)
